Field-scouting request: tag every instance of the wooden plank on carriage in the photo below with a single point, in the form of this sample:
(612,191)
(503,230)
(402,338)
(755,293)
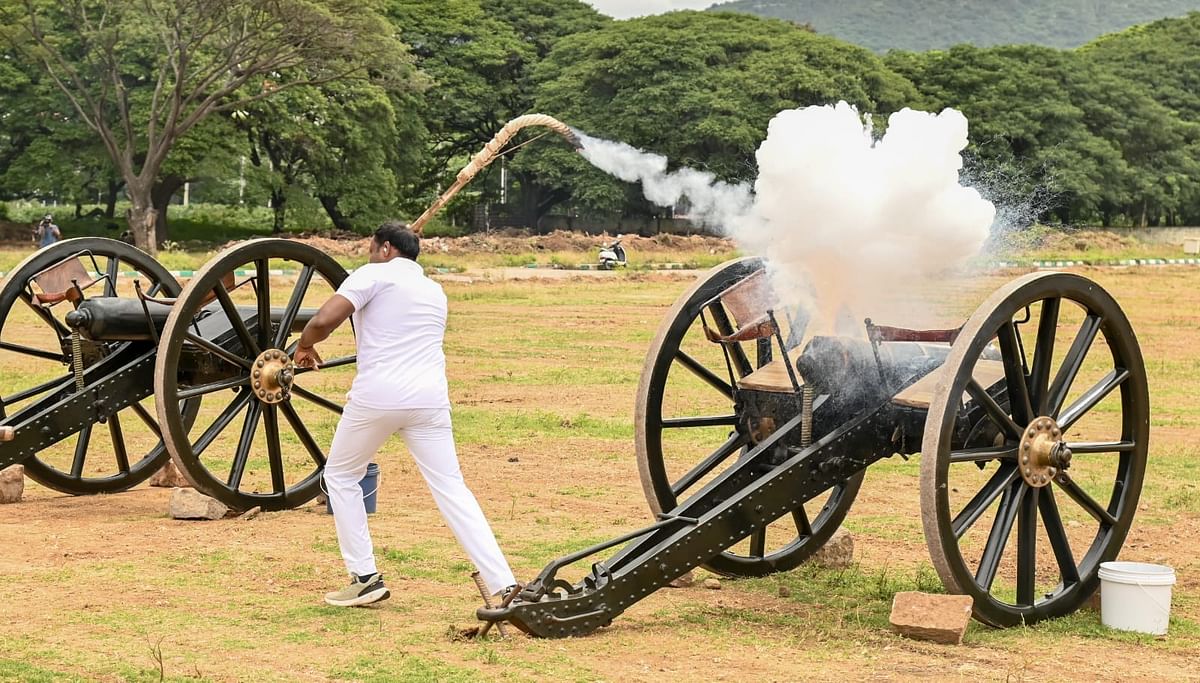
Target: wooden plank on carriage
(920,393)
(773,376)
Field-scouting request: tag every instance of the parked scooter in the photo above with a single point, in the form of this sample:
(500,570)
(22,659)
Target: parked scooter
(612,255)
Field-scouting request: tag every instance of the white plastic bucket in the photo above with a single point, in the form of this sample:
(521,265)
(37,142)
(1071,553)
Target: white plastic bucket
(1136,596)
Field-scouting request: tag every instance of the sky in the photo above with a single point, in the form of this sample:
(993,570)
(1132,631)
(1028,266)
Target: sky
(624,9)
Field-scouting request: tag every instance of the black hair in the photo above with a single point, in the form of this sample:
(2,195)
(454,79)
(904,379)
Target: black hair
(398,234)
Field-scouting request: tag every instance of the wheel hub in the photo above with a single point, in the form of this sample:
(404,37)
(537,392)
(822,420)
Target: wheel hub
(1043,453)
(272,376)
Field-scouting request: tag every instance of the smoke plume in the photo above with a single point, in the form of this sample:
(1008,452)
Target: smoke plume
(845,220)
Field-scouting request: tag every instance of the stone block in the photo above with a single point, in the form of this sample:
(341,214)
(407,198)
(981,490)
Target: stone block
(169,477)
(837,553)
(12,484)
(191,504)
(923,616)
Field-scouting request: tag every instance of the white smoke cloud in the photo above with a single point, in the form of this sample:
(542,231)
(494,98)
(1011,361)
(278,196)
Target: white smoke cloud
(844,220)
(714,203)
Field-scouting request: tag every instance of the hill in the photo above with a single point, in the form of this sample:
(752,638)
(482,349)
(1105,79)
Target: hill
(883,25)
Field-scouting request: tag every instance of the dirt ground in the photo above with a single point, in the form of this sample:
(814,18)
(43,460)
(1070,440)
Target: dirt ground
(543,379)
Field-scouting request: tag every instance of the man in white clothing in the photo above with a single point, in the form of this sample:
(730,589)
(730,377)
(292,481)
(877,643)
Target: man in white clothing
(399,323)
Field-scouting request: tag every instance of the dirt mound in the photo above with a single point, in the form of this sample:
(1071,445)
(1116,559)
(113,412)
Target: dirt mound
(515,241)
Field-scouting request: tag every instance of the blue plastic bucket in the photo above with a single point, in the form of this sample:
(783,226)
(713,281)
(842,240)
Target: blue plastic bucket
(370,488)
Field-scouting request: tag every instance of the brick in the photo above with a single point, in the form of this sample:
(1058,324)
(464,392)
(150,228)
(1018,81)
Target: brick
(939,618)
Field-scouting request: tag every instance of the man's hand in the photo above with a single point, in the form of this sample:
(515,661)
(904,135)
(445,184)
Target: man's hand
(307,357)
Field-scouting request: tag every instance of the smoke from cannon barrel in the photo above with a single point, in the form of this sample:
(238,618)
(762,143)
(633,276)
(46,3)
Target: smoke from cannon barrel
(846,221)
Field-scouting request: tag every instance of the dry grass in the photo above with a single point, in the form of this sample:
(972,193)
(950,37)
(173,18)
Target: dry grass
(108,588)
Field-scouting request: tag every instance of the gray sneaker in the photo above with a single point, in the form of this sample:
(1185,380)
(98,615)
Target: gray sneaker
(359,592)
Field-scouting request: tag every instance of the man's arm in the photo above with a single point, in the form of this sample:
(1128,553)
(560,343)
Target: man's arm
(327,319)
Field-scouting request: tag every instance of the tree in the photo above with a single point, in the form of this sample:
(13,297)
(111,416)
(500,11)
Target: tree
(696,87)
(1051,114)
(142,74)
(480,55)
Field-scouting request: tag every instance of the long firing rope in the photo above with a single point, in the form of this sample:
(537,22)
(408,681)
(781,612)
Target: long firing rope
(488,154)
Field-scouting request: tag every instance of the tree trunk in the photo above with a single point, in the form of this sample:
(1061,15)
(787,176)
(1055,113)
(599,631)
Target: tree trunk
(279,207)
(160,195)
(142,221)
(110,201)
(340,221)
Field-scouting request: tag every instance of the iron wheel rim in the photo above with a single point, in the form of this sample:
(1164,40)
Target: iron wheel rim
(649,420)
(1033,503)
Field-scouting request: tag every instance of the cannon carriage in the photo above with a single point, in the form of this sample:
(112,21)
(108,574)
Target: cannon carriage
(108,340)
(1031,421)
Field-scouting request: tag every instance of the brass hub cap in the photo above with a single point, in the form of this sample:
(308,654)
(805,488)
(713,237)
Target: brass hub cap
(1042,453)
(272,376)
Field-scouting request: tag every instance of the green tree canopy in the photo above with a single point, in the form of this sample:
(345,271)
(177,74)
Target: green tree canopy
(697,87)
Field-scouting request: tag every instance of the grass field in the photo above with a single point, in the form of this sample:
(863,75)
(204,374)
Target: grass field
(543,376)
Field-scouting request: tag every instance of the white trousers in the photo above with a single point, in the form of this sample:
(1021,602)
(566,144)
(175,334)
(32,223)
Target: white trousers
(429,437)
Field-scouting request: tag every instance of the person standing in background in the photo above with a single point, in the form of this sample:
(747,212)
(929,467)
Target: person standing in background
(46,232)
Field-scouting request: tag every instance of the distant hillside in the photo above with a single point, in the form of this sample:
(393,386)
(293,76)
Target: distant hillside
(883,25)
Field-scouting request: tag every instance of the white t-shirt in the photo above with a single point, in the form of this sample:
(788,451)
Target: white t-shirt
(399,323)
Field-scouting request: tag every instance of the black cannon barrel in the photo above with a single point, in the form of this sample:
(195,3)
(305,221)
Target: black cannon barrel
(847,370)
(124,319)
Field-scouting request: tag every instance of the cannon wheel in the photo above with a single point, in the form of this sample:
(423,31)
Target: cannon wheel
(114,257)
(209,473)
(665,357)
(1086,505)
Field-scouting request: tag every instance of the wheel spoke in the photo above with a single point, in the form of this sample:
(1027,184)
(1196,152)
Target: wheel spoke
(293,307)
(59,328)
(998,538)
(317,399)
(235,320)
(1100,447)
(118,442)
(712,421)
(262,283)
(240,457)
(110,276)
(1085,501)
(81,449)
(221,422)
(1027,517)
(147,418)
(803,526)
(704,374)
(306,438)
(1072,364)
(1092,397)
(984,454)
(274,455)
(34,391)
(993,409)
(731,446)
(1043,354)
(758,542)
(1014,374)
(1052,521)
(218,351)
(1000,482)
(233,383)
(30,351)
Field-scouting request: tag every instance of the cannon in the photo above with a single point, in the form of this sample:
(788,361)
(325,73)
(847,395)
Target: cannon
(1031,421)
(106,339)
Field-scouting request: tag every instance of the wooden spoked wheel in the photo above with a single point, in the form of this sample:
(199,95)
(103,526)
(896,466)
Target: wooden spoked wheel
(1021,511)
(262,435)
(688,428)
(36,363)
